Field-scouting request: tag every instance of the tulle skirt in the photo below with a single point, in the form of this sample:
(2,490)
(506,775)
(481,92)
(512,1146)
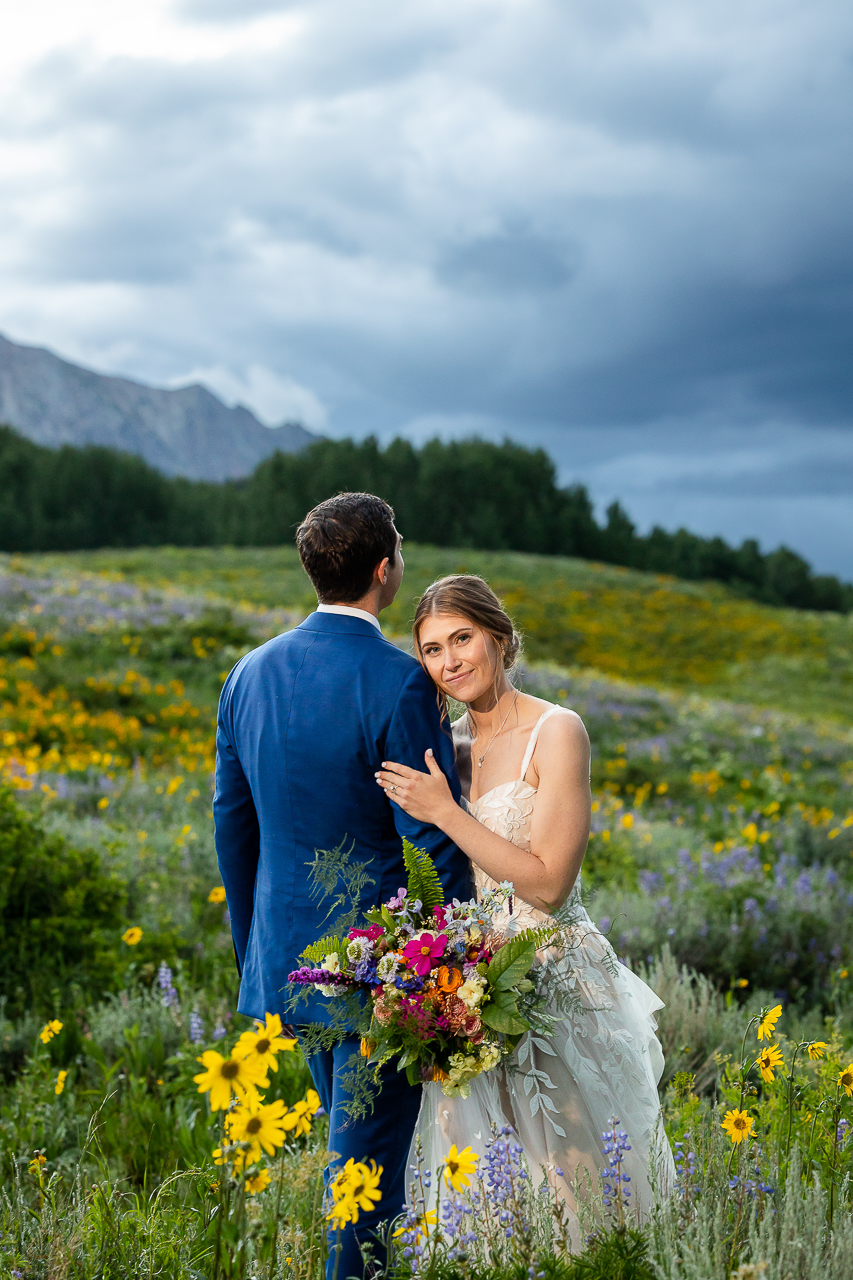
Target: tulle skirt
(559,1093)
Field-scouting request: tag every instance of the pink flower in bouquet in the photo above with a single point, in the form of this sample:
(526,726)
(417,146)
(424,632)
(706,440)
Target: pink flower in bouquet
(440,918)
(372,932)
(382,1011)
(422,951)
(472,1028)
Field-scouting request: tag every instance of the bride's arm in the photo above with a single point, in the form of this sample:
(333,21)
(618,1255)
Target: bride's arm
(544,877)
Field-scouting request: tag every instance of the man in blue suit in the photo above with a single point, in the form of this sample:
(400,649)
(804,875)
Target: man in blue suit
(304,723)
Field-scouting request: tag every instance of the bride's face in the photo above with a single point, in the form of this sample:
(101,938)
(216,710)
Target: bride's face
(459,656)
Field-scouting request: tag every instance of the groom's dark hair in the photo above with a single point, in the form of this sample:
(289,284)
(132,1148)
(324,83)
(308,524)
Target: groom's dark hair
(342,540)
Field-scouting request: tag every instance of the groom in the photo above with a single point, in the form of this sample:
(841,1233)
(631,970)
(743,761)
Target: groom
(304,723)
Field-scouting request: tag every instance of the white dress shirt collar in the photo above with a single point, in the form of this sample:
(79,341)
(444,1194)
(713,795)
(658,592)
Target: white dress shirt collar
(350,612)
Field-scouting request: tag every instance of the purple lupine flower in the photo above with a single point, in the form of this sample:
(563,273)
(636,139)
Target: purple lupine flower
(164,978)
(196,1028)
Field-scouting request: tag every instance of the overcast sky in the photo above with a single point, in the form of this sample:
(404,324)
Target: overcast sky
(618,229)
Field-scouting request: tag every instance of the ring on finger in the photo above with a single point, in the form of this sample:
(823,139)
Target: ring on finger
(392,787)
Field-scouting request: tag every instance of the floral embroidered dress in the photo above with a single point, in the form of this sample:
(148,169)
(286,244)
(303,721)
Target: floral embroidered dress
(559,1092)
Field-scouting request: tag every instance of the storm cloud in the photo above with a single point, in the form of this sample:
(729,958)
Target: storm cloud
(620,229)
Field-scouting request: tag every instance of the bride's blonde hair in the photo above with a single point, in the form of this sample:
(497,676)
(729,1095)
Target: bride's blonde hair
(470,597)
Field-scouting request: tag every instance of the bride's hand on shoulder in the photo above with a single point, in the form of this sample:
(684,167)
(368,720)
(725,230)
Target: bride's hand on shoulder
(426,797)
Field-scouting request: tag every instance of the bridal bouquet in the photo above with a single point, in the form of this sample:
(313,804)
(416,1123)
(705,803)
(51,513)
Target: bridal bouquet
(447,995)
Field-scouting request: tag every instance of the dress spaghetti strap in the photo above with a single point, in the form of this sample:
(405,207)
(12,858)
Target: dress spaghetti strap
(531,746)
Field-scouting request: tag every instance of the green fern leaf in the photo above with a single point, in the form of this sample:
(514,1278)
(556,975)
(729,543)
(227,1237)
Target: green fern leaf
(316,953)
(424,883)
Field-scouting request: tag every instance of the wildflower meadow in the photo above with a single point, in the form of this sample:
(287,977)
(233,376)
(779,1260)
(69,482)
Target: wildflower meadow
(146,1129)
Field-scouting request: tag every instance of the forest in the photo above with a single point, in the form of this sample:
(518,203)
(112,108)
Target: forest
(465,494)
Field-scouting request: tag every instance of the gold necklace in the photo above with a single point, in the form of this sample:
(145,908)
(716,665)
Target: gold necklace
(494,735)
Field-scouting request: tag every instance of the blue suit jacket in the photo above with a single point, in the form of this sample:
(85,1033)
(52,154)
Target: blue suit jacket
(304,723)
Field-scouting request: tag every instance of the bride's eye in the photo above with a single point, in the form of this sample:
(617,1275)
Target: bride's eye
(463,638)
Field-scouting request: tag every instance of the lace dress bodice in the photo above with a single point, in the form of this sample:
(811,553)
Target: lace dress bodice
(507,809)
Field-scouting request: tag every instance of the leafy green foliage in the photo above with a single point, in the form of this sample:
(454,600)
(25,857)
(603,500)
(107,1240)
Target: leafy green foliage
(460,493)
(60,914)
(316,953)
(424,884)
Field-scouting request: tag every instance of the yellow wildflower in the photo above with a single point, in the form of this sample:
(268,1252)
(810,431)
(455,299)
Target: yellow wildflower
(264,1043)
(846,1080)
(37,1161)
(767,1061)
(767,1025)
(353,1188)
(260,1124)
(49,1030)
(224,1076)
(60,1083)
(258,1181)
(738,1125)
(817,1048)
(217,894)
(132,936)
(424,1222)
(104,802)
(299,1117)
(459,1166)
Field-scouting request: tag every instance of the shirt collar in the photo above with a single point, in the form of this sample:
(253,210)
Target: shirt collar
(350,612)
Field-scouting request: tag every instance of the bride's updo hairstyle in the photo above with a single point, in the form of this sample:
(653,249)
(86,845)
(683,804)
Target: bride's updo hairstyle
(470,597)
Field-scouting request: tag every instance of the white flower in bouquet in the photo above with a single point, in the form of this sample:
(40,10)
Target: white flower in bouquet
(332,963)
(387,967)
(471,991)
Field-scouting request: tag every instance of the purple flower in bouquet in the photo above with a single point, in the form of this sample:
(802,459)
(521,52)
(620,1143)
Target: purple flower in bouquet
(394,904)
(423,950)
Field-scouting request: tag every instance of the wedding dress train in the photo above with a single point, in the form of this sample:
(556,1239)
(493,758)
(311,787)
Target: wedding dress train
(558,1093)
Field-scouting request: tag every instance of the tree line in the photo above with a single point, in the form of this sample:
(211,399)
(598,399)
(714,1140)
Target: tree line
(464,493)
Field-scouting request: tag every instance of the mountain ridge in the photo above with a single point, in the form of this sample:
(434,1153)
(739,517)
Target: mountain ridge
(186,431)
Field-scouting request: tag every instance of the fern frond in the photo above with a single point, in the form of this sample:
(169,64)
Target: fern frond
(317,951)
(424,883)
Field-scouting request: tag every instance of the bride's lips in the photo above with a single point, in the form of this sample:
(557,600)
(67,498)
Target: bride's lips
(463,675)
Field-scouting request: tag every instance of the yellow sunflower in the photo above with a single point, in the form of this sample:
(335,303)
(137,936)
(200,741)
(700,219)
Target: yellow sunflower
(217,894)
(258,1181)
(817,1049)
(264,1043)
(223,1076)
(768,1060)
(353,1188)
(132,936)
(459,1166)
(425,1221)
(49,1030)
(260,1124)
(846,1080)
(738,1125)
(767,1025)
(299,1116)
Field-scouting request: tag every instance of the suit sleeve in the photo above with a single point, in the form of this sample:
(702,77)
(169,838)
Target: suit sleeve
(415,726)
(236,831)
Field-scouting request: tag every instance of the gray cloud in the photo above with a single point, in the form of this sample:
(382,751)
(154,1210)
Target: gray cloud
(623,227)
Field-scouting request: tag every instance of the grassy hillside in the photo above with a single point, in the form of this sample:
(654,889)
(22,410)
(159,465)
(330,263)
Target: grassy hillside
(722,841)
(637,626)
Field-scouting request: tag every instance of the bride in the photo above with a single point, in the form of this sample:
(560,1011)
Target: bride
(524,768)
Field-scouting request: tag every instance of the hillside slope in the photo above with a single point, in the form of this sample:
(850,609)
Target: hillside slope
(187,432)
(641,627)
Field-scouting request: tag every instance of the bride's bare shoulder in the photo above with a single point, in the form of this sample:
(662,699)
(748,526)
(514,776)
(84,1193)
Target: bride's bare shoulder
(564,729)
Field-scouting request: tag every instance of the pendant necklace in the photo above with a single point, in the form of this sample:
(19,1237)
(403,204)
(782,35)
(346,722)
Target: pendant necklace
(494,735)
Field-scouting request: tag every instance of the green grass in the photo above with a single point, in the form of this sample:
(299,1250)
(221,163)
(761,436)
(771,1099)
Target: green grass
(638,626)
(721,863)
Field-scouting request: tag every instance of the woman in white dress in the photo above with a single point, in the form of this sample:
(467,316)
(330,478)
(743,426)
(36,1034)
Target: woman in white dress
(524,767)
